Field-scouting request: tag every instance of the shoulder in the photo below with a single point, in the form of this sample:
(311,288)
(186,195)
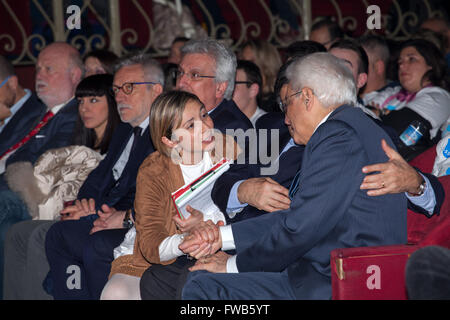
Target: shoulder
(436,93)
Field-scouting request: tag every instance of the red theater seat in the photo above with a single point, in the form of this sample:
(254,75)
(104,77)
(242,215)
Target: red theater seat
(379,272)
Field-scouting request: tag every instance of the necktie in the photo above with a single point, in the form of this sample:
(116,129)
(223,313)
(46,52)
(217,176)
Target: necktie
(137,132)
(289,163)
(31,134)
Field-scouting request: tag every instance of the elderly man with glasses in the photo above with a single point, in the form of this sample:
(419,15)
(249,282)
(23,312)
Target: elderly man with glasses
(286,254)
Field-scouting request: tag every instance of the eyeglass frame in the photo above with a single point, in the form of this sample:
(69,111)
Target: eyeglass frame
(120,88)
(193,75)
(5,81)
(248,83)
(283,104)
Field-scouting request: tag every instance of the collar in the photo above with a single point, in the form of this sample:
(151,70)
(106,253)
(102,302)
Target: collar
(323,120)
(58,107)
(144,124)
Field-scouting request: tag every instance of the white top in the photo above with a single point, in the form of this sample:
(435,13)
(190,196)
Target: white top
(168,248)
(432,103)
(123,159)
(258,113)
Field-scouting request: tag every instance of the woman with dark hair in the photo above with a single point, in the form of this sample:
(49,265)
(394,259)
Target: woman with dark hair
(422,96)
(94,91)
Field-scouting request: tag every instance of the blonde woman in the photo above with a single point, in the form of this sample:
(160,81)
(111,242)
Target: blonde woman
(187,146)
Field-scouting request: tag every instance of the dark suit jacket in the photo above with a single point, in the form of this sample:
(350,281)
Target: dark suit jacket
(57,133)
(22,123)
(287,168)
(100,183)
(227,115)
(328,211)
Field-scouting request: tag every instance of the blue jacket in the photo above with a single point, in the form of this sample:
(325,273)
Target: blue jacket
(22,123)
(328,211)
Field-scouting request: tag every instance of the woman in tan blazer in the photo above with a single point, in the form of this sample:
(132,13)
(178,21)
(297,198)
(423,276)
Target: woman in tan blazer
(187,146)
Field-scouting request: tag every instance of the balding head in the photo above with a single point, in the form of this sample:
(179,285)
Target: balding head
(59,69)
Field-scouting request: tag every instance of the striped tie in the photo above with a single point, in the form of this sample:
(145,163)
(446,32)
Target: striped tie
(31,134)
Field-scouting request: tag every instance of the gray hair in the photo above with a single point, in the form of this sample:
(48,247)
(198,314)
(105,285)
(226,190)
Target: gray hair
(152,69)
(330,79)
(225,60)
(6,68)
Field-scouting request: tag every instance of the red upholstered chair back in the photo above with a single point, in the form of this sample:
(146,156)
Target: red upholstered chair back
(423,230)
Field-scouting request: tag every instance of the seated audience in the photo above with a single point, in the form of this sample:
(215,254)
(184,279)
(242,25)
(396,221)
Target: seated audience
(19,109)
(99,61)
(159,229)
(421,96)
(55,179)
(290,259)
(247,88)
(106,197)
(267,58)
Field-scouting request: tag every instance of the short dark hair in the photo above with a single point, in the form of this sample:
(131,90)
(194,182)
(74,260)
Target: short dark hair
(333,28)
(98,85)
(301,48)
(378,44)
(253,74)
(351,44)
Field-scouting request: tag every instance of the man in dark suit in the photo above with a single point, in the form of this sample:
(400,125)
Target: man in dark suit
(22,108)
(107,196)
(199,73)
(56,90)
(285,255)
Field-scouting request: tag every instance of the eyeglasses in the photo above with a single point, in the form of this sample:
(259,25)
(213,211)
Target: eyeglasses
(127,87)
(194,76)
(4,81)
(283,104)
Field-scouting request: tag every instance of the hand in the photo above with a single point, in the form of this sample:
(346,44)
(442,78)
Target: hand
(394,176)
(204,240)
(108,218)
(186,225)
(264,194)
(216,263)
(80,209)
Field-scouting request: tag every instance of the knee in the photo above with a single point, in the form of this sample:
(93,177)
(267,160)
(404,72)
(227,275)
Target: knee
(117,289)
(194,289)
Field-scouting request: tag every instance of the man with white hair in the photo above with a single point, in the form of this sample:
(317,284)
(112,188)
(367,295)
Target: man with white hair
(290,256)
(59,69)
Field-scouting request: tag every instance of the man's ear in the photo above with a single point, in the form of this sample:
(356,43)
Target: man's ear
(254,90)
(13,83)
(308,96)
(362,80)
(158,89)
(221,87)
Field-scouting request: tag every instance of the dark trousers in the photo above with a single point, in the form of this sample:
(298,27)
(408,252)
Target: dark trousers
(165,282)
(79,262)
(428,274)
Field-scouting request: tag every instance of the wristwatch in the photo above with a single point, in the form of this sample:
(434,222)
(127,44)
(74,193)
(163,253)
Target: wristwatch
(421,189)
(127,222)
